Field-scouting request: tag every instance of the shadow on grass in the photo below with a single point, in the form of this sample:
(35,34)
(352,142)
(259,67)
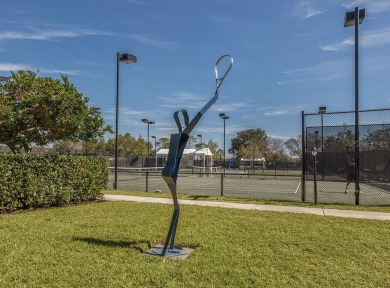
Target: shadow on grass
(116,244)
(199,197)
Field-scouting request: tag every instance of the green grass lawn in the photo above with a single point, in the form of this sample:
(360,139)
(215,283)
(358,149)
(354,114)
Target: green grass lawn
(101,245)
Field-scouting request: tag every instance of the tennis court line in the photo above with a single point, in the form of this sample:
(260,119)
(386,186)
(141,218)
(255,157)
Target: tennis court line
(299,184)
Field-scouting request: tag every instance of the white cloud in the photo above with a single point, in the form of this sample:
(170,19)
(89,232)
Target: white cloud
(229,107)
(138,2)
(17,66)
(306,9)
(367,39)
(373,6)
(57,71)
(49,34)
(277,112)
(13,67)
(324,71)
(125,112)
(182,99)
(146,40)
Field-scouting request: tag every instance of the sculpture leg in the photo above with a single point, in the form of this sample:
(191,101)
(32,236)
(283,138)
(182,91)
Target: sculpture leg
(169,249)
(171,233)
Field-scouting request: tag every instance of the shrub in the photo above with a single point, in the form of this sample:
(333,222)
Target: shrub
(31,181)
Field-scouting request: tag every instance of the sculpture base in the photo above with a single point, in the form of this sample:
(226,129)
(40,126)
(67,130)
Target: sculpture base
(175,252)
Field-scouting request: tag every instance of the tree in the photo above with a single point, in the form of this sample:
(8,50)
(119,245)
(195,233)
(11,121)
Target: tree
(275,150)
(249,144)
(128,146)
(377,139)
(294,146)
(191,139)
(43,110)
(213,146)
(68,147)
(164,142)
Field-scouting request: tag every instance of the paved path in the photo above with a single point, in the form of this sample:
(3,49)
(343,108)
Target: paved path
(291,209)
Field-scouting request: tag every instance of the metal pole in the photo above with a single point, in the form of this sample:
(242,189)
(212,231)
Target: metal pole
(155,152)
(357,178)
(315,180)
(224,148)
(116,121)
(303,196)
(147,150)
(322,146)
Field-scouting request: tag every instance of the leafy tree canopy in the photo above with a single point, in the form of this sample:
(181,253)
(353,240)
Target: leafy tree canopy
(249,144)
(43,110)
(294,146)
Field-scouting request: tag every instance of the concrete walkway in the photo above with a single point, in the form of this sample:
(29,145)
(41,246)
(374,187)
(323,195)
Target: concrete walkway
(290,209)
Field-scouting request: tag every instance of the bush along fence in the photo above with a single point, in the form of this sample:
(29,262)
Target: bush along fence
(31,181)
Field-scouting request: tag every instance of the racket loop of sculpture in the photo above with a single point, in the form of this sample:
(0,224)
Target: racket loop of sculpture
(177,144)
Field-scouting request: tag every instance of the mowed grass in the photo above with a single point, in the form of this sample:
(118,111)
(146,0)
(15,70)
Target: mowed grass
(101,245)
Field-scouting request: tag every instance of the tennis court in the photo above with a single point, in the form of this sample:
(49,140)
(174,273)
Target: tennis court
(254,186)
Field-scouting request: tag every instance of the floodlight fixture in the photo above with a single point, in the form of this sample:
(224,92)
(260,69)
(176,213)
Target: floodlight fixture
(224,116)
(127,58)
(350,17)
(322,110)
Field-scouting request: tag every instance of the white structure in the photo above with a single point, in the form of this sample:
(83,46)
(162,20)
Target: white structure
(164,152)
(205,152)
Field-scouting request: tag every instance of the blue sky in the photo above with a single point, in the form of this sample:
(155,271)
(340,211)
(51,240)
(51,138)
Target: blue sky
(289,56)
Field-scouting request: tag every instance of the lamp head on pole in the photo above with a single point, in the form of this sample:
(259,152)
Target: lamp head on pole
(349,19)
(127,58)
(314,152)
(147,121)
(223,116)
(322,110)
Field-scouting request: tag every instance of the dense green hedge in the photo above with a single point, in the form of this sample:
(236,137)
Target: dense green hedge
(30,181)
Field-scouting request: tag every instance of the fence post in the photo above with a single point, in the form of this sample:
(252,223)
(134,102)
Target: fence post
(275,169)
(147,181)
(303,196)
(221,184)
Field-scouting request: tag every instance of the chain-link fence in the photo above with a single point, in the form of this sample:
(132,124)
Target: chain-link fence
(252,184)
(338,165)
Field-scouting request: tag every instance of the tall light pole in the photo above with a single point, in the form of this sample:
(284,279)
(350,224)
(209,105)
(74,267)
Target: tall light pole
(316,133)
(322,111)
(354,18)
(314,153)
(128,59)
(146,121)
(224,117)
(200,136)
(155,150)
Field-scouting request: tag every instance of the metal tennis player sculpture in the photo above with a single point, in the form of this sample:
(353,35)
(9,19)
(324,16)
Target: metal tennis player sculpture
(176,148)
